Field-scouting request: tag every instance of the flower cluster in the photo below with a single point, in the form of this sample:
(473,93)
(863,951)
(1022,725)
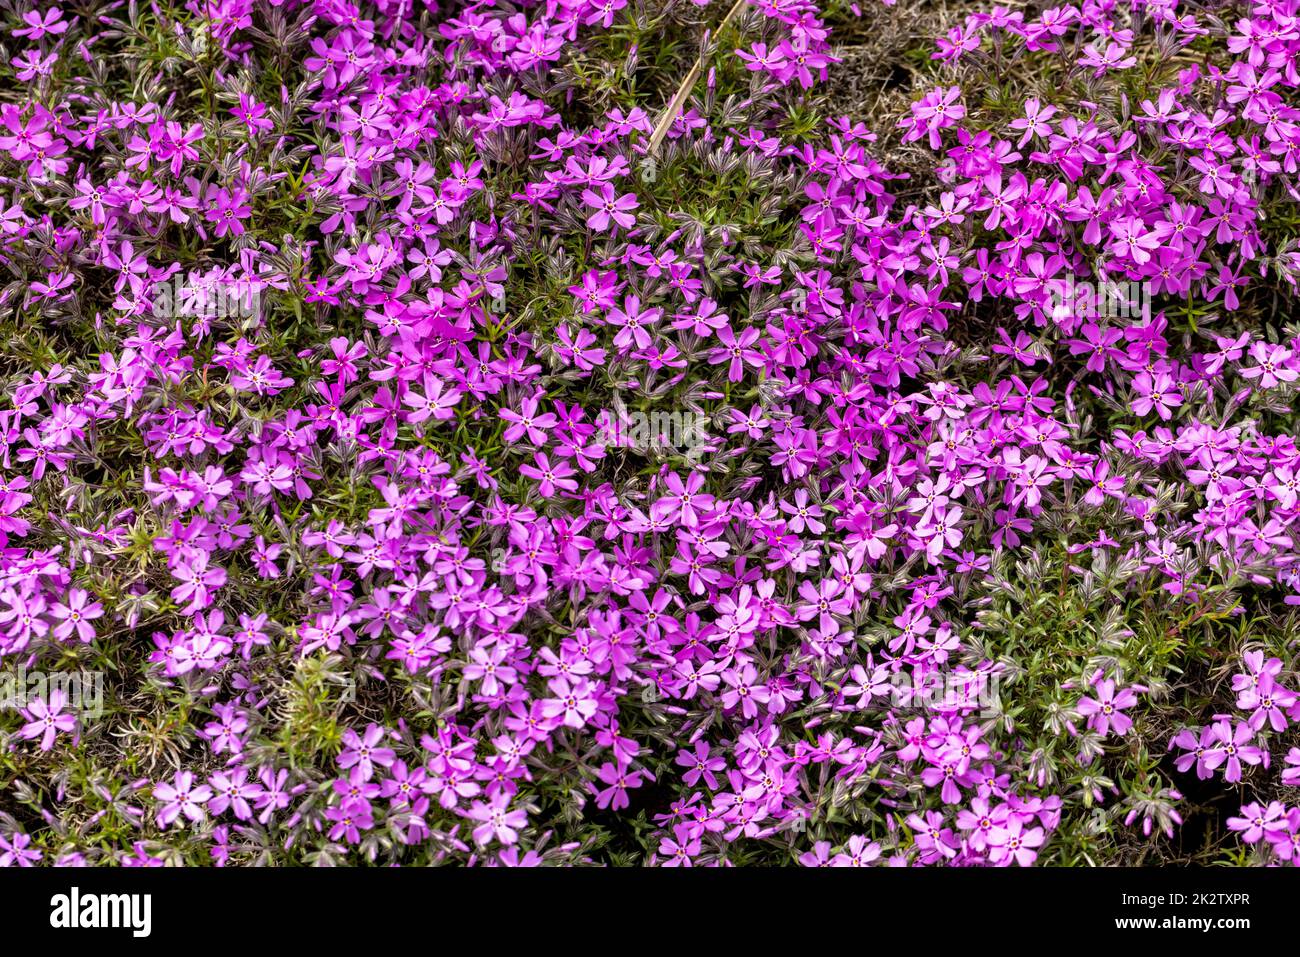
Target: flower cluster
(328,322)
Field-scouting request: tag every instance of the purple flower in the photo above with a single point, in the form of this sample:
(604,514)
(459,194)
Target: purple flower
(76,616)
(497,821)
(858,852)
(362,752)
(1257,822)
(16,850)
(1197,749)
(618,780)
(1105,712)
(610,208)
(181,797)
(45,720)
(1234,748)
(349,819)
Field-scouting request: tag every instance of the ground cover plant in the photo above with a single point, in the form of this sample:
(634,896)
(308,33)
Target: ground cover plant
(646,432)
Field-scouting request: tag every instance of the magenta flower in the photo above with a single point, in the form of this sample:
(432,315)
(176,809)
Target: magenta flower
(1234,749)
(618,780)
(680,849)
(935,111)
(1258,822)
(46,720)
(233,790)
(858,852)
(572,703)
(1273,365)
(736,351)
(362,751)
(497,821)
(635,324)
(527,422)
(16,850)
(550,477)
(1156,393)
(1197,748)
(181,798)
(1268,703)
(39,25)
(76,616)
(700,765)
(486,486)
(1105,712)
(1015,844)
(1291,775)
(610,208)
(349,819)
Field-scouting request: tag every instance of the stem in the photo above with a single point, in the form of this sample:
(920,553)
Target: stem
(674,108)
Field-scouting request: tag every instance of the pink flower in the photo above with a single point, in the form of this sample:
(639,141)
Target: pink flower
(858,852)
(572,703)
(76,616)
(363,751)
(47,720)
(618,781)
(1105,712)
(1234,748)
(1272,367)
(197,582)
(551,477)
(181,797)
(610,208)
(497,821)
(1157,392)
(1197,748)
(1015,845)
